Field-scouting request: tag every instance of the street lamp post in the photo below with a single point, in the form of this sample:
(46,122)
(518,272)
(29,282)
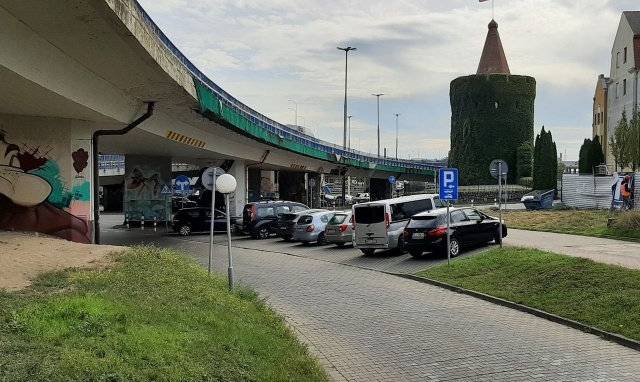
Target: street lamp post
(344,136)
(397,115)
(350,130)
(296,111)
(378,97)
(226,184)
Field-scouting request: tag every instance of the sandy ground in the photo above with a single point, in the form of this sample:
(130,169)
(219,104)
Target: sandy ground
(24,255)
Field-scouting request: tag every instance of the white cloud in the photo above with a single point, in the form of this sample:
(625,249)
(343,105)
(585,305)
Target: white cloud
(265,52)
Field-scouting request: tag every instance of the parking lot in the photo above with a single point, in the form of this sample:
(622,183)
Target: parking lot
(367,325)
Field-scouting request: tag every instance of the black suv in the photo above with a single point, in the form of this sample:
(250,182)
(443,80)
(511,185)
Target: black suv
(260,219)
(198,219)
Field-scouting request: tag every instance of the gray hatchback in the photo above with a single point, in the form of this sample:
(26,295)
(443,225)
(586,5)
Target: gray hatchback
(310,227)
(339,230)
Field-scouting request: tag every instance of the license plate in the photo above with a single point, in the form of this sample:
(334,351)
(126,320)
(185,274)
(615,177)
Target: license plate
(301,229)
(370,241)
(283,227)
(418,235)
(331,231)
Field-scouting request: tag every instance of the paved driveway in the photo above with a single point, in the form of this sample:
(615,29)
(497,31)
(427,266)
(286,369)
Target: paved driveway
(366,325)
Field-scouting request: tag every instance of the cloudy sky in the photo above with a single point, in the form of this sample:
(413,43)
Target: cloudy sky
(274,54)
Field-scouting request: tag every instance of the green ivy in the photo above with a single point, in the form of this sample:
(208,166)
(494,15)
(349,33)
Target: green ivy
(491,116)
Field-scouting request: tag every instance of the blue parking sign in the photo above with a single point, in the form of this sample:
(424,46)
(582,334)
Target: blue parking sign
(449,184)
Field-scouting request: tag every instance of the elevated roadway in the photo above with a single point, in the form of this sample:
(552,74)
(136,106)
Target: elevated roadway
(69,69)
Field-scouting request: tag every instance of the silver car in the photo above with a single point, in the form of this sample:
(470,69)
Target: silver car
(287,223)
(339,230)
(310,227)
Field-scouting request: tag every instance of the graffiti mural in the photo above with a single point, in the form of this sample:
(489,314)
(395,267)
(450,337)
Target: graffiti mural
(142,188)
(35,194)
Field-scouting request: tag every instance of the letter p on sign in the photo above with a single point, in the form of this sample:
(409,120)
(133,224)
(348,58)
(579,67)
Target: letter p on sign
(449,184)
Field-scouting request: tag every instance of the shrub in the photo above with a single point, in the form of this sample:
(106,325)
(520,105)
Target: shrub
(526,181)
(628,221)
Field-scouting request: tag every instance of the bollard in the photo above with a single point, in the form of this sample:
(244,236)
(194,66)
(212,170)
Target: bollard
(142,222)
(126,220)
(494,202)
(471,202)
(154,223)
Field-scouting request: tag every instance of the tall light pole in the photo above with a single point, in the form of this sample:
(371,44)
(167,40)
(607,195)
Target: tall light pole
(344,136)
(349,117)
(397,115)
(296,111)
(378,97)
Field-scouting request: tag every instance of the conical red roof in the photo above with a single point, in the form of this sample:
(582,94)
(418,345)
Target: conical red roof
(493,60)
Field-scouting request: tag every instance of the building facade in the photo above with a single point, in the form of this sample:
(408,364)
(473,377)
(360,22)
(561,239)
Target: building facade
(599,126)
(623,92)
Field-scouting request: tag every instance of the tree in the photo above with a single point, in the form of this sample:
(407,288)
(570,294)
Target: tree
(621,142)
(525,160)
(590,155)
(545,164)
(584,165)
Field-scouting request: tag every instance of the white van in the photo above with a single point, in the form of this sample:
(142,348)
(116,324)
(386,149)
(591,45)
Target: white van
(379,224)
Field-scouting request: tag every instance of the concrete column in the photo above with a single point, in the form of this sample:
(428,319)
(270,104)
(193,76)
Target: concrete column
(238,199)
(46,168)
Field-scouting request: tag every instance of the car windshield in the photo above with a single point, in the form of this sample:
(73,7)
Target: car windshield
(338,219)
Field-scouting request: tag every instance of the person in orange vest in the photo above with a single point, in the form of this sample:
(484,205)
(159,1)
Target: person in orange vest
(625,192)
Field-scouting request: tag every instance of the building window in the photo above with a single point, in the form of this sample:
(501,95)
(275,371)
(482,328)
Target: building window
(496,104)
(624,56)
(618,60)
(617,86)
(624,87)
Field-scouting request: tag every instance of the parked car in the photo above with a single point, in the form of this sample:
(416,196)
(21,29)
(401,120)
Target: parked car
(198,219)
(427,231)
(260,219)
(287,223)
(347,197)
(361,197)
(310,227)
(327,200)
(180,202)
(339,230)
(380,224)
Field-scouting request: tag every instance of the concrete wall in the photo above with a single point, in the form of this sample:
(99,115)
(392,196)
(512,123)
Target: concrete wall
(45,174)
(144,180)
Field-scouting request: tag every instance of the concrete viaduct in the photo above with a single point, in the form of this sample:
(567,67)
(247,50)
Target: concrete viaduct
(84,77)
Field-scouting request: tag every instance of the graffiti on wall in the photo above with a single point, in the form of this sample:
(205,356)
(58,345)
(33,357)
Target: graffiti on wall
(142,186)
(35,194)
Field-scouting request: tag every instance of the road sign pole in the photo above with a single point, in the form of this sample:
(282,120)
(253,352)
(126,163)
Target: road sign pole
(500,200)
(448,237)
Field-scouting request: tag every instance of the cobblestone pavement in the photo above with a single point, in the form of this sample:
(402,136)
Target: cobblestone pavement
(365,325)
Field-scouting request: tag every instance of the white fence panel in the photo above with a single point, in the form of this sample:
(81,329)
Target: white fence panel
(590,192)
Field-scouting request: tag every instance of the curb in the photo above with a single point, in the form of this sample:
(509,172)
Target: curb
(624,341)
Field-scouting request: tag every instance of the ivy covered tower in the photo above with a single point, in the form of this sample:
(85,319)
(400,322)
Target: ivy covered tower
(491,115)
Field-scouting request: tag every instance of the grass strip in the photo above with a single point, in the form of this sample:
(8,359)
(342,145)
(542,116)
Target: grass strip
(577,222)
(600,295)
(155,316)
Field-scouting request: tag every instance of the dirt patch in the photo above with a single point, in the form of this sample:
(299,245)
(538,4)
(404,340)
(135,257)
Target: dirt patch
(25,255)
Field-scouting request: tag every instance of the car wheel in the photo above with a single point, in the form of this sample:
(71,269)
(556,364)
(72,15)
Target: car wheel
(496,236)
(340,245)
(321,239)
(263,233)
(185,230)
(287,237)
(368,251)
(402,248)
(454,247)
(415,253)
